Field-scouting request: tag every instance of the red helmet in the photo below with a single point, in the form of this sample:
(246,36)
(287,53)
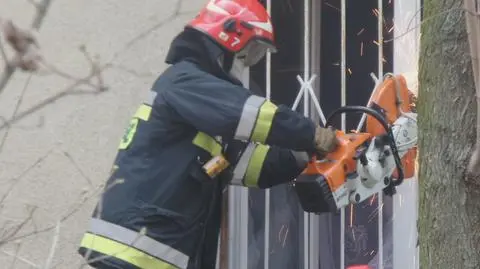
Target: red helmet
(242,27)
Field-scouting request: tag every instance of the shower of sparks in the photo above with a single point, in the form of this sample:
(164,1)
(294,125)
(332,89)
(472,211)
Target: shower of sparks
(285,238)
(349,71)
(361,48)
(351,215)
(375,212)
(361,31)
(332,6)
(282,237)
(391,28)
(375,12)
(373,198)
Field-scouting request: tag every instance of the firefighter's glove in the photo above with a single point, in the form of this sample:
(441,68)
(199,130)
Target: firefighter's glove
(325,141)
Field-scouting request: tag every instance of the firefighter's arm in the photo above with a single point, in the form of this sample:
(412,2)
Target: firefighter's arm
(218,108)
(262,166)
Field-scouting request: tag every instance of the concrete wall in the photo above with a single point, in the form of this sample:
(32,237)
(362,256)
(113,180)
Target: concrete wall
(57,147)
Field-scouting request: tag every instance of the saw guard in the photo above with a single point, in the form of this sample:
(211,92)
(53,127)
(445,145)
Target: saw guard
(391,98)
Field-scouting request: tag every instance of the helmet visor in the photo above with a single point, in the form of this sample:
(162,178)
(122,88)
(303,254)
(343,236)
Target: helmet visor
(254,52)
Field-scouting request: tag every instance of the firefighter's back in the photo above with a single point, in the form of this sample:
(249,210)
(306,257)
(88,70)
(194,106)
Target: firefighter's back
(157,192)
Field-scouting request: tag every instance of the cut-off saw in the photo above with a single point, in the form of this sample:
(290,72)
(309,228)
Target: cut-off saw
(375,158)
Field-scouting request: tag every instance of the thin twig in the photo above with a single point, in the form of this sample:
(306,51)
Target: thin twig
(74,163)
(17,106)
(19,227)
(69,90)
(17,179)
(148,31)
(20,258)
(15,257)
(56,236)
(62,219)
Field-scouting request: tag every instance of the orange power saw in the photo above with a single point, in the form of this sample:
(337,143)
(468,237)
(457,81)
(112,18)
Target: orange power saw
(369,161)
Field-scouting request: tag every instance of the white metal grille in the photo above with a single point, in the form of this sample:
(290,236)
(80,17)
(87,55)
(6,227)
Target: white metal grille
(406,255)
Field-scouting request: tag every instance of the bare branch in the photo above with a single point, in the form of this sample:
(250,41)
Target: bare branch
(41,11)
(17,228)
(42,8)
(2,52)
(95,72)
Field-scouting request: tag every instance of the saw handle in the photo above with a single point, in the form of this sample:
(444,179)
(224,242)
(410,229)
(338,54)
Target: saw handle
(381,119)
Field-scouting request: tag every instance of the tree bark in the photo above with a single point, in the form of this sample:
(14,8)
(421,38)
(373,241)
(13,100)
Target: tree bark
(449,209)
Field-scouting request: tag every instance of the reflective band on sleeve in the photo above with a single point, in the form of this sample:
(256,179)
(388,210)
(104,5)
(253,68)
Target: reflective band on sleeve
(143,112)
(207,143)
(162,253)
(248,169)
(151,98)
(255,165)
(248,117)
(264,122)
(242,165)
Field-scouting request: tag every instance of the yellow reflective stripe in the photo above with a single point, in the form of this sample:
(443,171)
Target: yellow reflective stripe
(264,122)
(207,143)
(143,112)
(255,166)
(123,252)
(129,134)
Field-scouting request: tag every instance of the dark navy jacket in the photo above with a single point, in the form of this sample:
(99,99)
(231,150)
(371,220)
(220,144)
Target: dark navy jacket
(159,204)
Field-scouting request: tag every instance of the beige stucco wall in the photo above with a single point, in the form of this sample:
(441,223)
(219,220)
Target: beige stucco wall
(56,157)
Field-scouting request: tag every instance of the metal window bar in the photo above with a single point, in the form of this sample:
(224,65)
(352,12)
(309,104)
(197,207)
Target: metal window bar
(238,217)
(378,79)
(310,248)
(268,86)
(343,94)
(306,74)
(407,16)
(380,75)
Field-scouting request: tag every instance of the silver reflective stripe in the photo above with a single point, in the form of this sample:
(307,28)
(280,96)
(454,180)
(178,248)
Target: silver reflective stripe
(248,117)
(151,98)
(139,241)
(301,157)
(242,165)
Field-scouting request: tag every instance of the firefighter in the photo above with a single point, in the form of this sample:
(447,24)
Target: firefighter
(198,131)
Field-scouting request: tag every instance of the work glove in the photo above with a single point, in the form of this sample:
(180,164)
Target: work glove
(325,141)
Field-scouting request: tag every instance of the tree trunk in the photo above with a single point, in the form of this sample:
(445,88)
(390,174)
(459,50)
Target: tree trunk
(449,216)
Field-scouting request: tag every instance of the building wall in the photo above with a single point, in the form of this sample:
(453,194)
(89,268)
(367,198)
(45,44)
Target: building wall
(57,147)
